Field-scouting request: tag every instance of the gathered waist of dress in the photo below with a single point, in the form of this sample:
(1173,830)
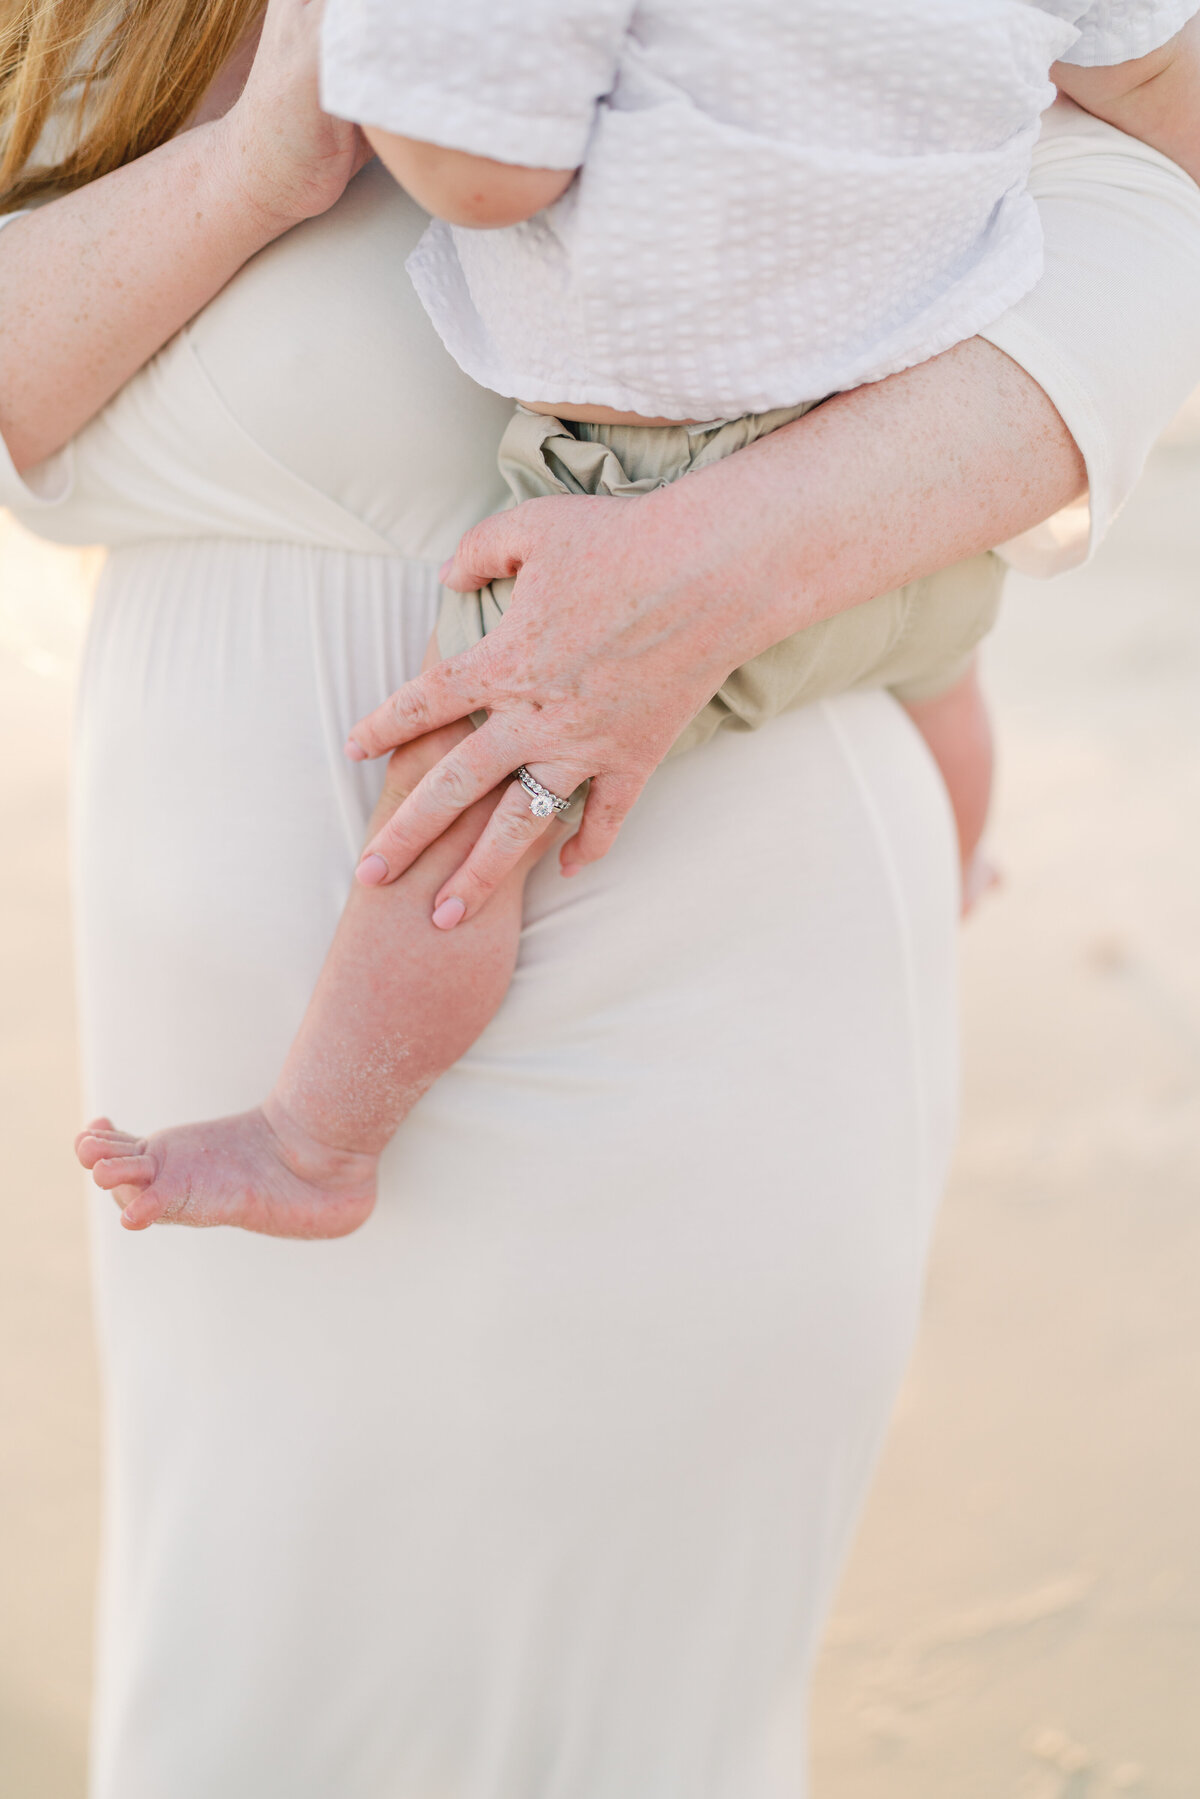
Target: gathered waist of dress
(315,622)
(210,575)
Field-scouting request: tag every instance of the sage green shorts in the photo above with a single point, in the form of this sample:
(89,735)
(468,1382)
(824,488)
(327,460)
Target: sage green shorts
(917,640)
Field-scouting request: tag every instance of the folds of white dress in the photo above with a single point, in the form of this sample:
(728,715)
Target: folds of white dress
(540,1482)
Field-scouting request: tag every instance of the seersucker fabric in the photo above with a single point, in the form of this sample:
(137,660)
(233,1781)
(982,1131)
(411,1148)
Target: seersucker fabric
(775,202)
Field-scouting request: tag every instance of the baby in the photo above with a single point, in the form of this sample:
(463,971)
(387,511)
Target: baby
(700,221)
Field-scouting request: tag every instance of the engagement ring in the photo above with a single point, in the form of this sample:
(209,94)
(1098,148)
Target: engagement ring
(542,803)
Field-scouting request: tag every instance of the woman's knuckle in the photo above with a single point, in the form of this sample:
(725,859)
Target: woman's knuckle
(447,785)
(408,707)
(508,835)
(515,829)
(473,887)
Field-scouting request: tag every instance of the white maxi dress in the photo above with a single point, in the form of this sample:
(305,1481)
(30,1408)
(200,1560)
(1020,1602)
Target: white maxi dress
(536,1487)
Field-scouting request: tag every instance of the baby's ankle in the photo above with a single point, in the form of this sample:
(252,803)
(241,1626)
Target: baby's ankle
(307,1153)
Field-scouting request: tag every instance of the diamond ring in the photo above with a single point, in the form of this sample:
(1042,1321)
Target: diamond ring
(542,803)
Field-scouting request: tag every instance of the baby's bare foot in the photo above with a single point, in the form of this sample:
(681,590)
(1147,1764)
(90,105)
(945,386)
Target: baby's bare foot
(259,1170)
(980,876)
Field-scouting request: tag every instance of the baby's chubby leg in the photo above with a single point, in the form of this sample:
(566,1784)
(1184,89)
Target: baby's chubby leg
(397,1002)
(958,732)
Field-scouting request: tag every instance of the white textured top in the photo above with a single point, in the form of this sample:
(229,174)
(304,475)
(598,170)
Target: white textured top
(310,403)
(776,201)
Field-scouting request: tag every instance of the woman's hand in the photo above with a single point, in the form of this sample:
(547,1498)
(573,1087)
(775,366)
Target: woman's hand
(290,159)
(627,614)
(602,693)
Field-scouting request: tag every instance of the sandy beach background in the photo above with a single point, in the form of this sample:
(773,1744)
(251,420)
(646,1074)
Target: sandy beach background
(1021,1618)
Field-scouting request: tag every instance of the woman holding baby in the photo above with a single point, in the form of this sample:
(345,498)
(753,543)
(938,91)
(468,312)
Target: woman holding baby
(539,1480)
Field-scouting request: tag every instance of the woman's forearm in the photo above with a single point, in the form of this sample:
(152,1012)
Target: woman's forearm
(628,614)
(875,488)
(93,284)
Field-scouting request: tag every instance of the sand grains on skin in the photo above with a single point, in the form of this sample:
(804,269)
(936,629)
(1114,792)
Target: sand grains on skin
(257,1170)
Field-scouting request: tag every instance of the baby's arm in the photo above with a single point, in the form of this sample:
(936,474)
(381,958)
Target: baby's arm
(397,1002)
(483,113)
(1155,98)
(464,189)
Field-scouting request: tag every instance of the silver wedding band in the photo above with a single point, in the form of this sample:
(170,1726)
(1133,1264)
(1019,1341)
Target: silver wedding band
(542,803)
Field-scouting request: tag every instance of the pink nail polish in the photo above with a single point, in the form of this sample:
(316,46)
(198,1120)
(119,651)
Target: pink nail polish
(448,914)
(352,750)
(445,568)
(371,871)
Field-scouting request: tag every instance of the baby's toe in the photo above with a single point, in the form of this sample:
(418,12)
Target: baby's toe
(96,1146)
(141,1208)
(123,1171)
(91,1149)
(98,1127)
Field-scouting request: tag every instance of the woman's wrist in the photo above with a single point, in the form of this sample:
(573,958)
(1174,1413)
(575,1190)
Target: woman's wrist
(239,187)
(239,211)
(285,158)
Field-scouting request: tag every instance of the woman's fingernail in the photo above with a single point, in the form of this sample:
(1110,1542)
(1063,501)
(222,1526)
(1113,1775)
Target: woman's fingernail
(448,914)
(571,868)
(372,870)
(353,751)
(445,568)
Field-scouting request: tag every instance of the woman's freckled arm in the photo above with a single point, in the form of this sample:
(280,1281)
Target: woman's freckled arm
(871,490)
(93,283)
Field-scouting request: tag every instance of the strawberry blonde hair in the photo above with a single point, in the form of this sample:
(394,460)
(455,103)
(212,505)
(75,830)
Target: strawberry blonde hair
(103,81)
